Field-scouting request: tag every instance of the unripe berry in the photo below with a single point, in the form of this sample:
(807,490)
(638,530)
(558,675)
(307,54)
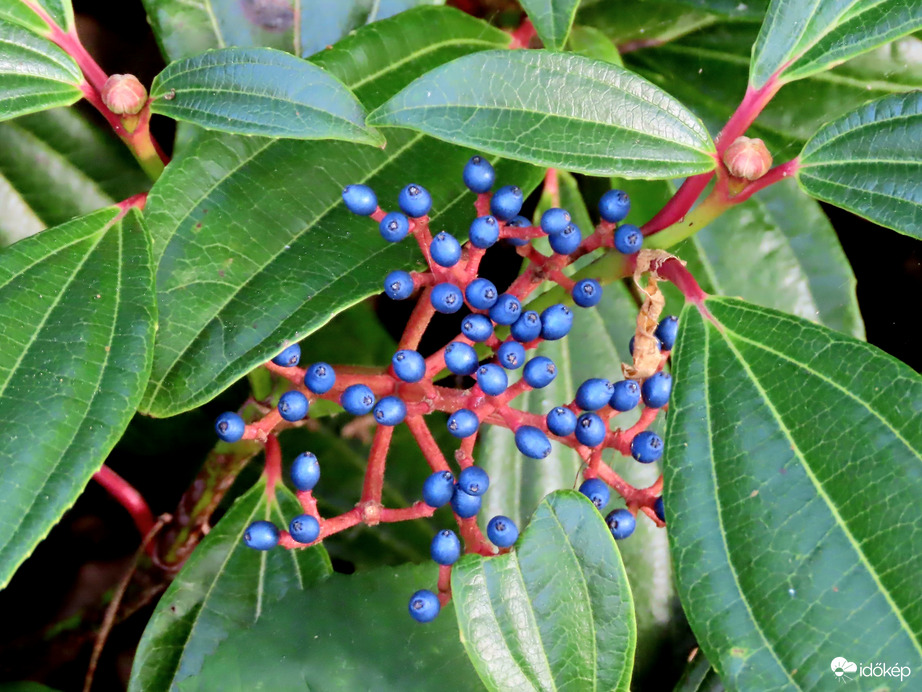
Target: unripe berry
(261,535)
(473,480)
(463,423)
(621,523)
(304,528)
(532,442)
(477,327)
(438,489)
(445,548)
(293,406)
(597,491)
(424,606)
(502,531)
(123,94)
(289,357)
(747,158)
(305,471)
(229,427)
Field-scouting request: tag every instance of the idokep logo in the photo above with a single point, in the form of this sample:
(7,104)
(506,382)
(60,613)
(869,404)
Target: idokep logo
(841,667)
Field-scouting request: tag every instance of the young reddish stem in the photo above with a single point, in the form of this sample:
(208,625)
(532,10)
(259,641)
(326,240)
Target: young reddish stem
(775,175)
(134,202)
(273,469)
(474,542)
(419,510)
(308,503)
(523,35)
(674,271)
(418,322)
(427,443)
(444,584)
(377,459)
(128,497)
(552,186)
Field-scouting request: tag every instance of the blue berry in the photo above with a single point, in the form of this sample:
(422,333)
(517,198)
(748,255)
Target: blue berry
(539,372)
(507,309)
(445,250)
(304,528)
(587,293)
(630,345)
(446,298)
(527,327)
(305,471)
(556,322)
(320,378)
(511,355)
(590,430)
(626,395)
(621,523)
(666,331)
(293,405)
(478,175)
(517,222)
(614,205)
(390,411)
(464,505)
(568,242)
(229,427)
(357,399)
(561,421)
(484,232)
(532,442)
(555,221)
(409,365)
(424,606)
(394,227)
(415,200)
(445,548)
(398,285)
(596,490)
(463,423)
(655,389)
(628,239)
(593,394)
(438,489)
(492,379)
(473,480)
(261,535)
(477,327)
(481,294)
(659,510)
(360,199)
(647,447)
(506,202)
(502,531)
(289,357)
(460,358)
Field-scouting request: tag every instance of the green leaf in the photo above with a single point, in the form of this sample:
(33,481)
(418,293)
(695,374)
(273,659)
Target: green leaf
(792,478)
(184,29)
(77,308)
(801,38)
(595,347)
(592,43)
(779,250)
(34,73)
(556,612)
(223,587)
(632,25)
(709,70)
(59,11)
(870,162)
(57,165)
(228,302)
(552,20)
(699,676)
(347,633)
(732,9)
(259,91)
(589,116)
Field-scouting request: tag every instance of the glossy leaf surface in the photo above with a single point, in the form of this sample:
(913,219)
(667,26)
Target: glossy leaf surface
(555,109)
(34,73)
(556,611)
(801,38)
(78,315)
(870,162)
(552,20)
(792,477)
(228,299)
(310,640)
(223,587)
(259,91)
(59,12)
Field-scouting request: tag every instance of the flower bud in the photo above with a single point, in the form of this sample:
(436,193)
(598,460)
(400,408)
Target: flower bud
(747,158)
(123,94)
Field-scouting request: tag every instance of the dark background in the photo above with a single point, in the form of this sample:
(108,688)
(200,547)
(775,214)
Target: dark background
(57,598)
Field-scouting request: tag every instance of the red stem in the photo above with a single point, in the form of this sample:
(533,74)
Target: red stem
(427,443)
(273,469)
(775,175)
(377,459)
(128,497)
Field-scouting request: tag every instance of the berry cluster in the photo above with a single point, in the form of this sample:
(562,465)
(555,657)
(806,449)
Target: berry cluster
(495,346)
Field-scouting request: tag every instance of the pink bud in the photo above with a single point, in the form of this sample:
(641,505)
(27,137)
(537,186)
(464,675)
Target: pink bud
(123,94)
(747,158)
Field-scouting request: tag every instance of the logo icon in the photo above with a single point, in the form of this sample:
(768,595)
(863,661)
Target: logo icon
(841,666)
